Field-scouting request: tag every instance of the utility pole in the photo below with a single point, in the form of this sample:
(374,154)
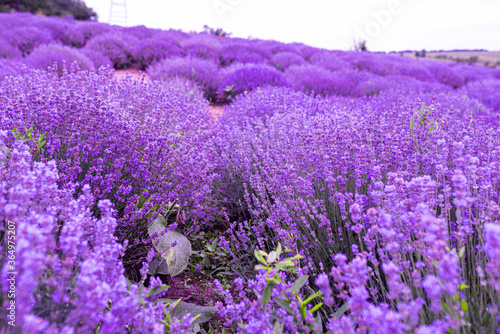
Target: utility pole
(118,13)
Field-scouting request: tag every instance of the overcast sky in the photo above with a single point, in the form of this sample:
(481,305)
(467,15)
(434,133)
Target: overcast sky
(387,25)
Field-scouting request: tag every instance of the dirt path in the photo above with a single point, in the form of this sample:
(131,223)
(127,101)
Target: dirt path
(133,72)
(215,112)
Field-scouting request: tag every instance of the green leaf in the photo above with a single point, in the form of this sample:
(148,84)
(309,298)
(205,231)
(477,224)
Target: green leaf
(486,320)
(463,286)
(278,251)
(319,322)
(456,297)
(278,327)
(271,257)
(341,311)
(446,307)
(261,267)
(266,295)
(299,283)
(260,258)
(157,290)
(283,265)
(316,307)
(41,137)
(284,304)
(461,252)
(296,257)
(465,306)
(261,252)
(310,298)
(40,145)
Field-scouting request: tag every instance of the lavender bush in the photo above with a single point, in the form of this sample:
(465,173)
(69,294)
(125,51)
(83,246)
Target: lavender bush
(7,50)
(152,50)
(63,31)
(110,151)
(203,46)
(329,60)
(46,55)
(90,30)
(283,60)
(485,91)
(240,78)
(315,80)
(27,38)
(114,45)
(10,67)
(203,72)
(298,177)
(98,59)
(445,74)
(238,52)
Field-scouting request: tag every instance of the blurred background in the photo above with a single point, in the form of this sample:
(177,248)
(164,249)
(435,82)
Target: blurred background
(386,25)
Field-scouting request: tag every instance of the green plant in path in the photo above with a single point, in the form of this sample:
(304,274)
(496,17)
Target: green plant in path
(421,117)
(284,302)
(272,264)
(28,137)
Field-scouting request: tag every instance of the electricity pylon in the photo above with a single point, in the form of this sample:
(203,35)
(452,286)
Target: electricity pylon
(118,13)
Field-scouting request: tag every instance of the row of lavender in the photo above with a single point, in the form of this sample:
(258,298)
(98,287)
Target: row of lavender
(226,67)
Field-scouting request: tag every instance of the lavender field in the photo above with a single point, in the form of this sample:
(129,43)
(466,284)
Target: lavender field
(338,192)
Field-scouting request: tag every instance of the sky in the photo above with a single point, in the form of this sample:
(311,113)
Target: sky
(386,25)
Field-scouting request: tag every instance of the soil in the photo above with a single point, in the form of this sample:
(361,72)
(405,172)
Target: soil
(134,72)
(215,112)
(192,287)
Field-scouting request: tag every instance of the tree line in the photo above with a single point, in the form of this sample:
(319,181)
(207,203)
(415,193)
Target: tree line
(76,8)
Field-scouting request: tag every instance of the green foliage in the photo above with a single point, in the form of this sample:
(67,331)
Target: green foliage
(216,260)
(76,8)
(217,32)
(27,138)
(271,263)
(360,45)
(422,119)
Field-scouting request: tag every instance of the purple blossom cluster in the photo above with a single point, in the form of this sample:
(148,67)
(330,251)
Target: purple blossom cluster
(240,78)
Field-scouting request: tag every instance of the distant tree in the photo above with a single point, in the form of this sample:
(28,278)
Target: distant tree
(360,45)
(421,54)
(218,32)
(32,6)
(76,8)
